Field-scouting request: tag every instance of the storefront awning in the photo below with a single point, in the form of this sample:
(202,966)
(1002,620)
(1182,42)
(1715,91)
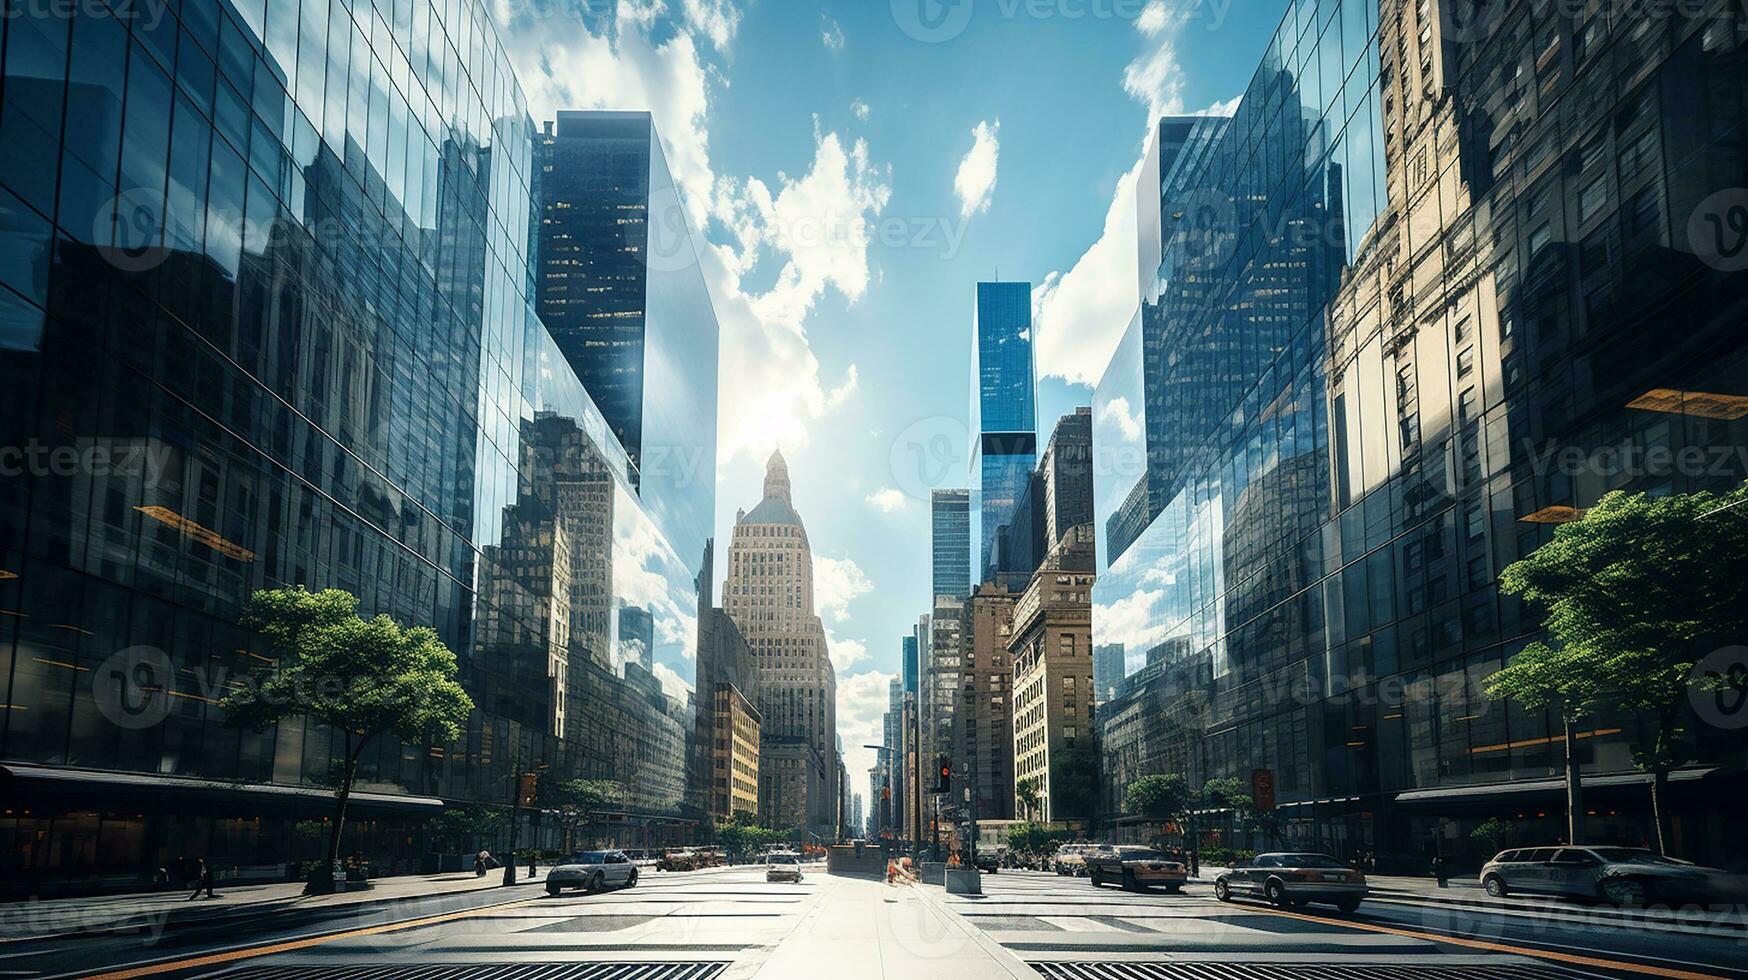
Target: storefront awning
(1531,787)
(53,778)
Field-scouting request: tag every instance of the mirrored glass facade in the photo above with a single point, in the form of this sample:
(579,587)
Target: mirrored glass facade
(265,319)
(1004,416)
(950,541)
(1415,262)
(617,283)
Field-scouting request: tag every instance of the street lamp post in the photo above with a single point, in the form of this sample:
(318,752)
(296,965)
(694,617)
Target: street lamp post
(515,814)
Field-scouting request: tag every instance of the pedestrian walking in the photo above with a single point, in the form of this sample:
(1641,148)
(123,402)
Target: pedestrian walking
(202,880)
(1439,872)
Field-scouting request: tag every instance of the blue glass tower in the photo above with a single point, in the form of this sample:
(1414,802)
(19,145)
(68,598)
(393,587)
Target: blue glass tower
(1003,414)
(950,542)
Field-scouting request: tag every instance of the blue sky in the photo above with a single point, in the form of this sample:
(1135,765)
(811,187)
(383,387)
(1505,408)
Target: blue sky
(854,175)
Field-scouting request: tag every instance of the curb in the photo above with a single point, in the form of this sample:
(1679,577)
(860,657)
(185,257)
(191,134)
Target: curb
(1733,917)
(1006,958)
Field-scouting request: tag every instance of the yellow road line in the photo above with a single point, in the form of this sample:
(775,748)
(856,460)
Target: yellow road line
(233,955)
(1545,954)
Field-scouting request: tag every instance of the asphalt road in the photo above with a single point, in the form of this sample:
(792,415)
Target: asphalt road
(1043,917)
(733,916)
(712,915)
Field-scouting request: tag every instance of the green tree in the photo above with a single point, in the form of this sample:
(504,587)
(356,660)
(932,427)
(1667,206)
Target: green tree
(739,840)
(463,829)
(1035,838)
(1160,798)
(575,801)
(365,678)
(1026,794)
(1630,591)
(1490,834)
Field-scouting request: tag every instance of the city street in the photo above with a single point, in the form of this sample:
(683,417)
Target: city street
(731,923)
(1044,918)
(727,922)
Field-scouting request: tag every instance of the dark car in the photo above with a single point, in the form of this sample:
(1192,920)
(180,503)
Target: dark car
(1136,868)
(989,860)
(1294,879)
(1622,875)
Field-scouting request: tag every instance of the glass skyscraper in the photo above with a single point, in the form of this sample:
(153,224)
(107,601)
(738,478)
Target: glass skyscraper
(267,266)
(950,542)
(1408,266)
(1004,419)
(618,285)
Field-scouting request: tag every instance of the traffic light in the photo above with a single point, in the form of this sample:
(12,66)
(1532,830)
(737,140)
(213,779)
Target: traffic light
(945,783)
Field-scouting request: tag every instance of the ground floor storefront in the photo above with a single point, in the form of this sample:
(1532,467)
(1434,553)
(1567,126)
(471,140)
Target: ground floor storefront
(66,832)
(1400,833)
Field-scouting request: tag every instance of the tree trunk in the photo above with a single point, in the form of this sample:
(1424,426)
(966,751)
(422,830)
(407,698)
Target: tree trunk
(323,879)
(1574,787)
(1659,782)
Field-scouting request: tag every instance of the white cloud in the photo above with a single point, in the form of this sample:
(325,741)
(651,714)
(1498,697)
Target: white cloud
(673,685)
(975,181)
(1156,78)
(862,701)
(844,389)
(861,109)
(887,500)
(1117,413)
(845,652)
(837,582)
(769,371)
(648,575)
(1222,108)
(715,19)
(1134,621)
(831,33)
(1081,314)
(1154,19)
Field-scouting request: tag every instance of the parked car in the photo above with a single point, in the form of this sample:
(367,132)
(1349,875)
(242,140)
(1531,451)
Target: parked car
(592,871)
(990,859)
(1294,879)
(1622,875)
(1137,868)
(1070,859)
(783,867)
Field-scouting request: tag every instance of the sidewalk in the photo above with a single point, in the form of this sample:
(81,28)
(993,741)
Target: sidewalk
(863,930)
(152,911)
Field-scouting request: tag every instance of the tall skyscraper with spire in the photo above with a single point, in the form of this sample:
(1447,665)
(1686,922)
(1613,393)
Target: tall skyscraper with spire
(769,595)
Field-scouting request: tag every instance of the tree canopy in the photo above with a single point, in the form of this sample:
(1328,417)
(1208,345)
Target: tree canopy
(367,678)
(1632,592)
